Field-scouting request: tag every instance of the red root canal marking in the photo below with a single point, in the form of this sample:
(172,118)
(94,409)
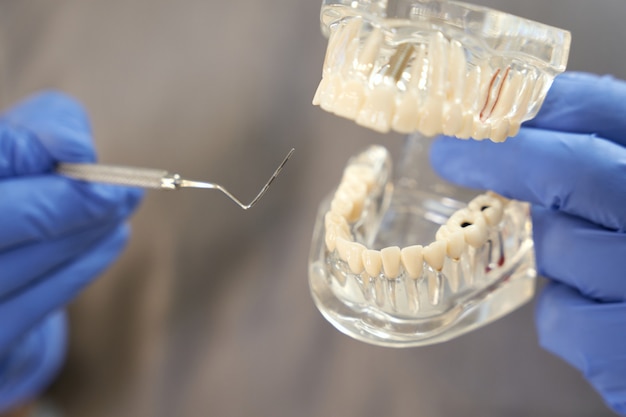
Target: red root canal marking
(483,115)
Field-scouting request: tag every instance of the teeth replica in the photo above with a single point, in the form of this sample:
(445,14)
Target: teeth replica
(432,269)
(430,87)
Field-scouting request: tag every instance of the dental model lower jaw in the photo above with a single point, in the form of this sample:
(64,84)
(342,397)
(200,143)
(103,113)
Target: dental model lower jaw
(465,232)
(432,85)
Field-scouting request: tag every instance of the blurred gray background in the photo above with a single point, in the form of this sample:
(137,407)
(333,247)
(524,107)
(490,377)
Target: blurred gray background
(208,312)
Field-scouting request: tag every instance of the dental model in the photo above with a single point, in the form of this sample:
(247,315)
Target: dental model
(412,260)
(421,74)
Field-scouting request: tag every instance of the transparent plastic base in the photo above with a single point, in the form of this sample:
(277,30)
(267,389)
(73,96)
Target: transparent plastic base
(425,299)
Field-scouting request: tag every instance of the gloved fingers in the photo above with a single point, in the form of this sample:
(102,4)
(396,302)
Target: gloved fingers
(42,130)
(39,208)
(580,254)
(585,103)
(589,336)
(19,270)
(30,306)
(577,174)
(30,364)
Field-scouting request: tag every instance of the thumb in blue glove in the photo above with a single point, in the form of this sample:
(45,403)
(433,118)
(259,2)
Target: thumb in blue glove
(570,163)
(56,236)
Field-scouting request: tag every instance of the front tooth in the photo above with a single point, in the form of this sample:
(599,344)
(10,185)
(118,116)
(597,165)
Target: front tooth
(472,88)
(350,100)
(355,257)
(391,261)
(369,53)
(434,254)
(457,71)
(329,91)
(351,252)
(467,126)
(452,118)
(406,118)
(378,109)
(476,233)
(412,258)
(431,118)
(373,262)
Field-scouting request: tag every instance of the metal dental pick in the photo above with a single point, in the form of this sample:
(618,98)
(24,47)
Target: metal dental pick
(153,178)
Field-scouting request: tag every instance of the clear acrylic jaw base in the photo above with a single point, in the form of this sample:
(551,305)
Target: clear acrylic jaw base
(483,285)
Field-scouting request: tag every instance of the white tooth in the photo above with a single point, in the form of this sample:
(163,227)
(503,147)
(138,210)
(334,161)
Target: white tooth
(350,100)
(360,174)
(490,208)
(370,50)
(406,118)
(442,233)
(355,194)
(419,69)
(484,89)
(434,254)
(391,261)
(452,118)
(331,236)
(493,215)
(332,219)
(498,197)
(355,257)
(455,244)
(499,131)
(524,96)
(481,130)
(330,91)
(461,218)
(431,119)
(342,206)
(467,127)
(378,109)
(373,262)
(476,233)
(438,56)
(343,247)
(457,70)
(412,259)
(340,45)
(514,128)
(508,95)
(480,202)
(471,95)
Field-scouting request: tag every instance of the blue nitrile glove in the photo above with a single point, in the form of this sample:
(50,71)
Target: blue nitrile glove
(570,163)
(56,235)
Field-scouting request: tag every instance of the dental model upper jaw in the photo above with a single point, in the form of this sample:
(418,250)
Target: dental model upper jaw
(427,84)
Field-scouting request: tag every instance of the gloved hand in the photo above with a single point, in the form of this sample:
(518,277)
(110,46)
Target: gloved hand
(570,163)
(56,235)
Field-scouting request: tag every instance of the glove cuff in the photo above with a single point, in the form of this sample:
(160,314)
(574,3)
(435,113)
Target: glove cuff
(27,369)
